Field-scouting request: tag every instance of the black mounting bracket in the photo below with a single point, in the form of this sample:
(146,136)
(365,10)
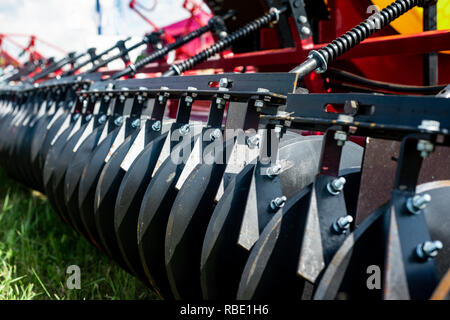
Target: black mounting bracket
(301,18)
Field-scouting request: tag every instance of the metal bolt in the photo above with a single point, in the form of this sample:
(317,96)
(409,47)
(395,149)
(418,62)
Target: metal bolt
(118,121)
(340,137)
(223,34)
(185,129)
(192,88)
(425,147)
(259,104)
(110,86)
(139,99)
(273,171)
(263,90)
(418,202)
(342,224)
(253,141)
(216,134)
(430,125)
(224,83)
(162,96)
(220,102)
(336,186)
(278,130)
(85,103)
(136,123)
(102,119)
(305,30)
(107,98)
(76,116)
(278,202)
(428,249)
(156,126)
(122,98)
(302,19)
(88,117)
(188,100)
(345,118)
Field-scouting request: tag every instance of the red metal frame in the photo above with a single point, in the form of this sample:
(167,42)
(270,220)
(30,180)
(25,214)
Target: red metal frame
(417,43)
(387,56)
(283,59)
(30,48)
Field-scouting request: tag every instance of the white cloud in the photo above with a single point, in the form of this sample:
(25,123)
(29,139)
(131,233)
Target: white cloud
(72,24)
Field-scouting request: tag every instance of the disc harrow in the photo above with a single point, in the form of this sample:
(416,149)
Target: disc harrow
(244,205)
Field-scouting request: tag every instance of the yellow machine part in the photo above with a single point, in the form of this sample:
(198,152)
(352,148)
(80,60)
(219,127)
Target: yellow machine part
(411,22)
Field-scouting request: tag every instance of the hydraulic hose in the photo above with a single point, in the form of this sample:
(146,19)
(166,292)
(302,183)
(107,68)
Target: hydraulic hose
(347,76)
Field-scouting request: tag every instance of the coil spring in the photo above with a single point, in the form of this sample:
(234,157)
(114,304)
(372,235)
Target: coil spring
(221,45)
(178,43)
(367,28)
(155,55)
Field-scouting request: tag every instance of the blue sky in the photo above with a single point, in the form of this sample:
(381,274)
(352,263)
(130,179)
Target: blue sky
(72,24)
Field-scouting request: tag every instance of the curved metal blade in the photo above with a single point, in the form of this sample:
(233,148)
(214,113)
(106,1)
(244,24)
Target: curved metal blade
(274,260)
(88,183)
(129,199)
(72,180)
(346,275)
(220,265)
(154,214)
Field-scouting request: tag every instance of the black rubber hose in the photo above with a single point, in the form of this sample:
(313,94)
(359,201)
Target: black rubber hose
(272,16)
(344,75)
(318,60)
(353,88)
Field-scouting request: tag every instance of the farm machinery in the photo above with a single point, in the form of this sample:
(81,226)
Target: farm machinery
(281,161)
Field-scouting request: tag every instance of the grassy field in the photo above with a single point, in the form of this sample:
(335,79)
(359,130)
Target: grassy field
(36,248)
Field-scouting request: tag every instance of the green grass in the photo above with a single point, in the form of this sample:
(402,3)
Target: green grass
(36,248)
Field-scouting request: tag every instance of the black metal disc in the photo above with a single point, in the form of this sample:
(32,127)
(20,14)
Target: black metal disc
(129,199)
(274,259)
(223,259)
(88,183)
(105,199)
(72,180)
(152,221)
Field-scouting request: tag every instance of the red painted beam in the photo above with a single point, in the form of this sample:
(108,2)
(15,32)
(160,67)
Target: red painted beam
(417,43)
(430,41)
